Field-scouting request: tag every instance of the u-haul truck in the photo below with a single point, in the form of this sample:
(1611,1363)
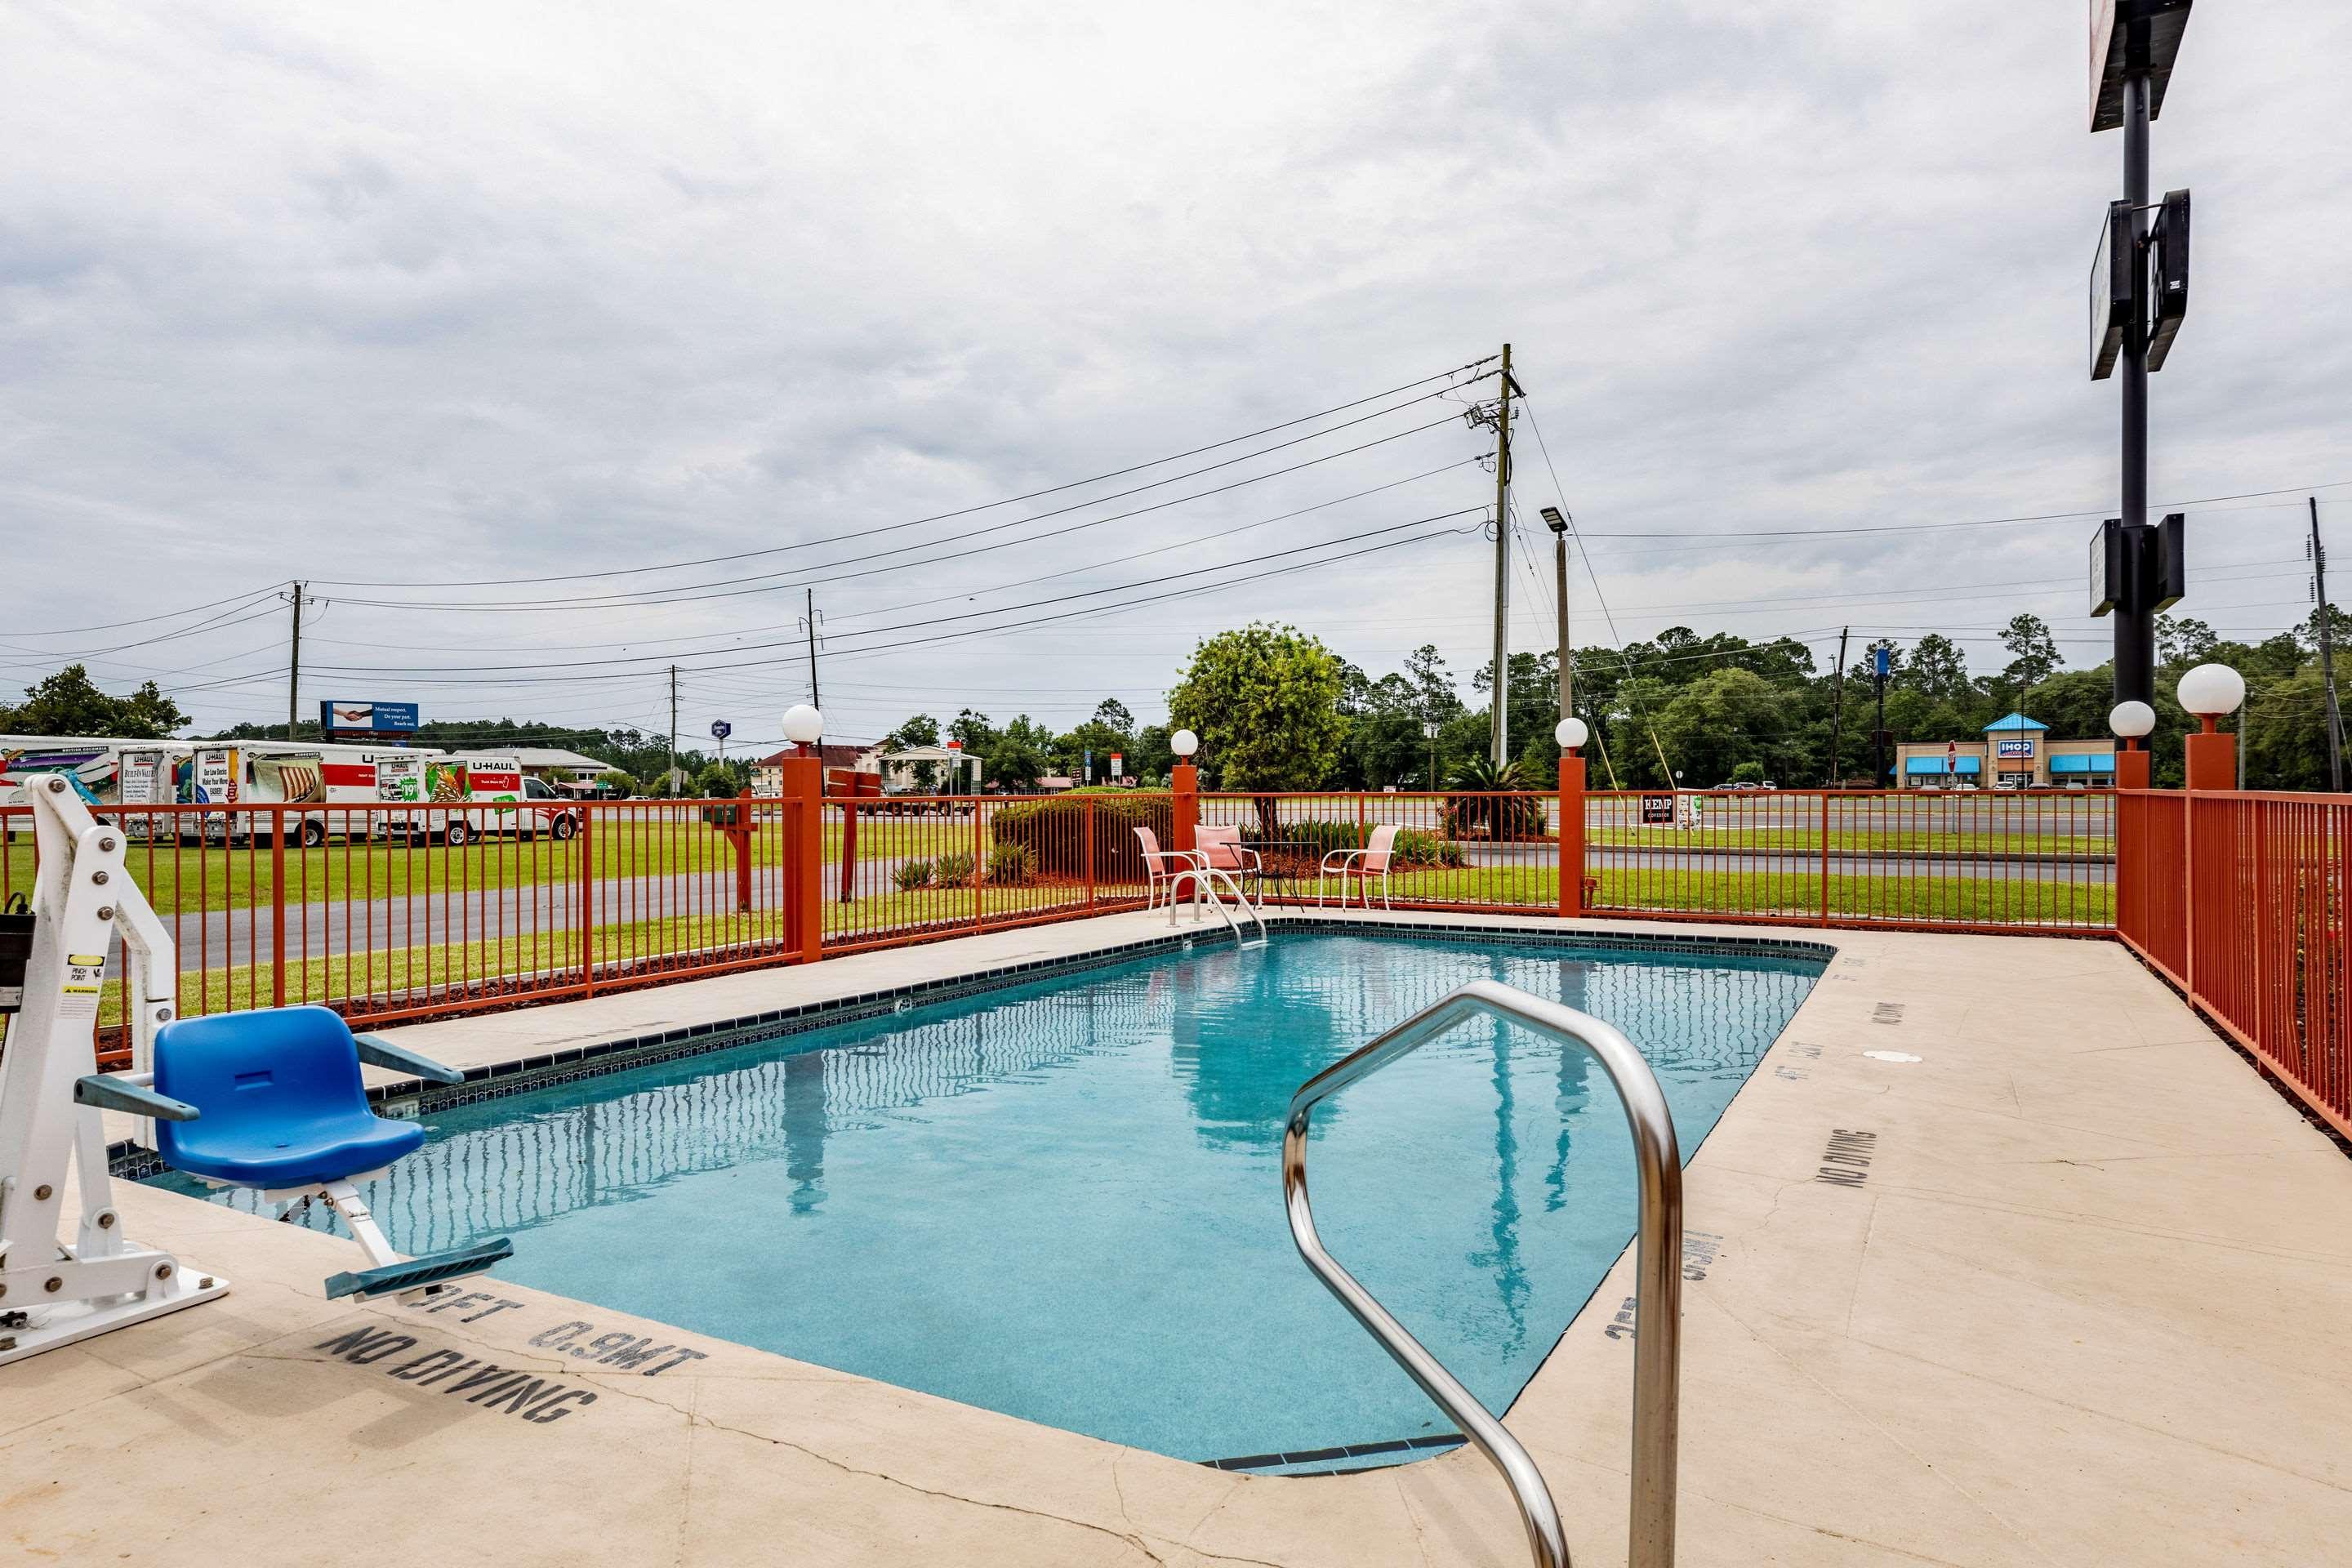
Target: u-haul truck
(500,798)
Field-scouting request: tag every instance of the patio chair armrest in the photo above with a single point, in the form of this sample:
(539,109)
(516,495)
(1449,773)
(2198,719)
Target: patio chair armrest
(377,1051)
(1342,856)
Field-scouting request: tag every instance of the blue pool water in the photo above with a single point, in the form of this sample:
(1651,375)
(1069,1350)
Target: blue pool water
(1061,1200)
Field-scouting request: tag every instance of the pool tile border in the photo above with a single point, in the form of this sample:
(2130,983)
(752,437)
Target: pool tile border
(413,1096)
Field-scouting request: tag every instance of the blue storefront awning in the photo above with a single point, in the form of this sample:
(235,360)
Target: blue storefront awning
(1917,765)
(2084,762)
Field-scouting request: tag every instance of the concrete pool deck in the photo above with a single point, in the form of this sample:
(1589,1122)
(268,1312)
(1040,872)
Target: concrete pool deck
(2077,1289)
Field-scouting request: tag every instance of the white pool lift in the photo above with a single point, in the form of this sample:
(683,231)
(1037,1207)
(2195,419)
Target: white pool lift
(271,1101)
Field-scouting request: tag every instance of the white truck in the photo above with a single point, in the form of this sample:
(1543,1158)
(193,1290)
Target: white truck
(510,802)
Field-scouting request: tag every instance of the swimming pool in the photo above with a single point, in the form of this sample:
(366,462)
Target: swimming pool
(1061,1199)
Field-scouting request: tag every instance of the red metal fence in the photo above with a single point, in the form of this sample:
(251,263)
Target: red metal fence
(406,911)
(2246,902)
(390,912)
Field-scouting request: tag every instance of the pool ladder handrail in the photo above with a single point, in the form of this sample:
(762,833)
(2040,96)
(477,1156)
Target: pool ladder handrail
(1205,879)
(1657,1341)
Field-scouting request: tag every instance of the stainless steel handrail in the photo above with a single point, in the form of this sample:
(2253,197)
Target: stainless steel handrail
(1201,874)
(1657,1341)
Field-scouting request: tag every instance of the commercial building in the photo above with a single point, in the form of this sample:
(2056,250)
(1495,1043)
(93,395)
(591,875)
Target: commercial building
(2015,752)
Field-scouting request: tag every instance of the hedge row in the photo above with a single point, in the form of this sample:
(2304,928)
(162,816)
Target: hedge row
(1054,832)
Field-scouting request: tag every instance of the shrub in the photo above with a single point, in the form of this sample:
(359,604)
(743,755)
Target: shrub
(910,875)
(952,870)
(1054,832)
(1010,865)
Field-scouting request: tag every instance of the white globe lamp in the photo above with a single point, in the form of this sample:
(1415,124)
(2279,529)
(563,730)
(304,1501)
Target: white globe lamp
(2211,691)
(1570,734)
(2132,720)
(1183,742)
(804,726)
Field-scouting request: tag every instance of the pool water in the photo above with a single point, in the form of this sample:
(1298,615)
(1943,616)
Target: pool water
(1062,1200)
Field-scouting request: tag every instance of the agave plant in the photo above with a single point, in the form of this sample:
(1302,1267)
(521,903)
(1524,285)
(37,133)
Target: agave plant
(1489,807)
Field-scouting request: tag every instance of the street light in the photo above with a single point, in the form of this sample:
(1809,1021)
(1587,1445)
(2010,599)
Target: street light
(1570,734)
(1557,524)
(1429,728)
(1183,742)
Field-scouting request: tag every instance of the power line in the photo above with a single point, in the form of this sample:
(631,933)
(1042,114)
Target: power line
(1009,500)
(938,620)
(636,600)
(1929,527)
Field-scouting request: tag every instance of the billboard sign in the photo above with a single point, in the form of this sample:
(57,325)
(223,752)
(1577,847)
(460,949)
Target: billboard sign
(1657,808)
(720,729)
(366,718)
(2017,748)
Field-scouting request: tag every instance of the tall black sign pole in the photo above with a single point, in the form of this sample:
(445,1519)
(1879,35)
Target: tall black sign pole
(2133,45)
(2136,615)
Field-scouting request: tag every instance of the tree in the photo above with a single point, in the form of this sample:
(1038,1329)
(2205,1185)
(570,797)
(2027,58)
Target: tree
(1113,715)
(1265,701)
(2182,641)
(974,730)
(2285,731)
(919,730)
(1937,670)
(70,703)
(2034,652)
(614,782)
(1018,755)
(1726,718)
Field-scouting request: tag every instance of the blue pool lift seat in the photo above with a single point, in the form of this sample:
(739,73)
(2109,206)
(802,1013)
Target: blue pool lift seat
(273,1101)
(282,1101)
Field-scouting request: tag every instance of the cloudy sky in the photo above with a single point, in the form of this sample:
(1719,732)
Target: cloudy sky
(555,344)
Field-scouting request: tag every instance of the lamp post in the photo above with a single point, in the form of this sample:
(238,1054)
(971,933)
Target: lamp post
(1571,734)
(804,726)
(2213,692)
(1184,792)
(1429,728)
(2132,723)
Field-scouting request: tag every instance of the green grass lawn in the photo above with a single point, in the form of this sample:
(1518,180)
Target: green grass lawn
(1985,901)
(187,877)
(1855,841)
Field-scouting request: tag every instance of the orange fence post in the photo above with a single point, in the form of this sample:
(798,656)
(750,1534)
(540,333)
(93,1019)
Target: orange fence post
(1825,858)
(739,832)
(277,906)
(1088,827)
(586,897)
(804,859)
(2210,762)
(1571,835)
(979,860)
(1185,783)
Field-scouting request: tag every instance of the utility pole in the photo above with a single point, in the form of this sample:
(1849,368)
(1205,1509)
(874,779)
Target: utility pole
(811,623)
(2326,655)
(1837,708)
(294,662)
(1499,726)
(672,779)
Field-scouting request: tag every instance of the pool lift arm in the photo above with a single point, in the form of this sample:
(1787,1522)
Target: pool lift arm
(54,1292)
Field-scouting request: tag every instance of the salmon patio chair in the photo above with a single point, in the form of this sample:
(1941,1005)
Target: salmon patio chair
(1163,868)
(1357,868)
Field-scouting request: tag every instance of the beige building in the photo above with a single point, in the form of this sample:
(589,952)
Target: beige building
(2015,752)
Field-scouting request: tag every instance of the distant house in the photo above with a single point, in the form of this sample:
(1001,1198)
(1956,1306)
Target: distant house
(554,764)
(904,770)
(768,772)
